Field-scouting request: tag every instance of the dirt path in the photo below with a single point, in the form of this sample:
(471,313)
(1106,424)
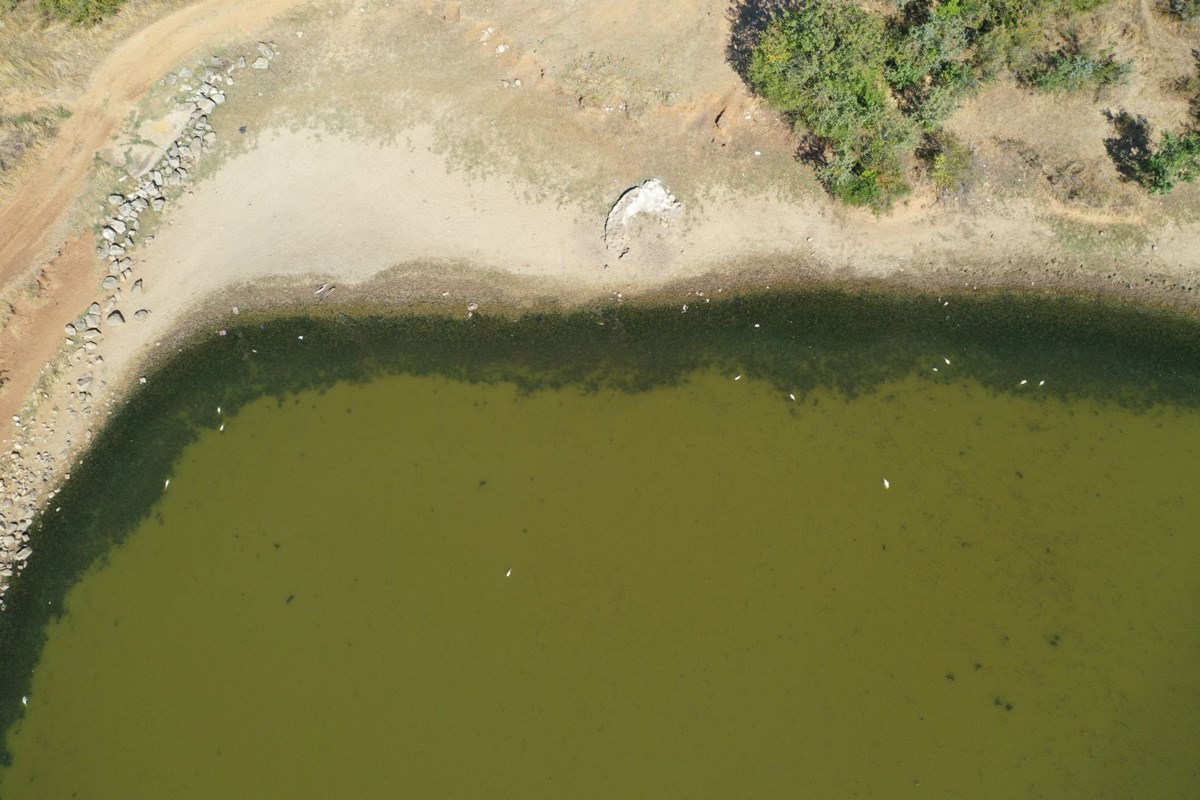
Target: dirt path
(37,212)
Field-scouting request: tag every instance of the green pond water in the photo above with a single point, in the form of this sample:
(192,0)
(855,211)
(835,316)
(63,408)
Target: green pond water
(574,557)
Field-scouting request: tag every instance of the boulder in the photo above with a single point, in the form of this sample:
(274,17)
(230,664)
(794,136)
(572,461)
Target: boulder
(117,225)
(71,329)
(157,203)
(260,63)
(265,50)
(206,105)
(115,199)
(109,282)
(136,288)
(141,313)
(109,234)
(116,318)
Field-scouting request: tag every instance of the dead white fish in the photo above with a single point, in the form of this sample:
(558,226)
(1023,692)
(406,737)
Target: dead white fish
(320,289)
(887,484)
(737,377)
(946,360)
(222,428)
(685,308)
(792,397)
(1041,383)
(166,483)
(1022,383)
(218,411)
(508,574)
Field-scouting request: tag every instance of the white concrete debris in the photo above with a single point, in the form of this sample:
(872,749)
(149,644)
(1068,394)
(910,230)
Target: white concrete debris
(650,199)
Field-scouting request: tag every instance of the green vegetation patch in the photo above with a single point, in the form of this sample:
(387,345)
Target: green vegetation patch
(867,85)
(80,12)
(824,65)
(1077,68)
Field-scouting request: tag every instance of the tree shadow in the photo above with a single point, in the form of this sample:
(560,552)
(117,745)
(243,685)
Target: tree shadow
(813,151)
(747,21)
(1130,146)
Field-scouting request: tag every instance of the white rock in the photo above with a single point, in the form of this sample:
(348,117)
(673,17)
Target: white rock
(266,50)
(109,234)
(117,225)
(651,198)
(116,318)
(260,63)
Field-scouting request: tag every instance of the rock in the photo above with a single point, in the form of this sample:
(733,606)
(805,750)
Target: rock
(126,274)
(141,313)
(185,150)
(265,50)
(241,62)
(117,226)
(140,205)
(173,161)
(115,199)
(94,308)
(109,282)
(173,179)
(116,250)
(109,234)
(210,137)
(260,63)
(651,198)
(206,105)
(136,288)
(156,178)
(23,553)
(91,333)
(125,262)
(92,320)
(197,142)
(185,73)
(84,382)
(157,203)
(71,329)
(116,318)
(217,97)
(125,210)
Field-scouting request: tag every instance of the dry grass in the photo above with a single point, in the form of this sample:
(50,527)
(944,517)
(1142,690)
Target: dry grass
(44,57)
(22,135)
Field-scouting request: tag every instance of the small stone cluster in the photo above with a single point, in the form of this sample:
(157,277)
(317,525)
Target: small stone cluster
(23,488)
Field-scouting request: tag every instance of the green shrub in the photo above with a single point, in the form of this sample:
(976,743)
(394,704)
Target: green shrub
(1077,68)
(80,12)
(951,163)
(1177,158)
(1187,10)
(823,65)
(865,85)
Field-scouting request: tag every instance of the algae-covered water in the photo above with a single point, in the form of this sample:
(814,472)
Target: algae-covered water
(628,554)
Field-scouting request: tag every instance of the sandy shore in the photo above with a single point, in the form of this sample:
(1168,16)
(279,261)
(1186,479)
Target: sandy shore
(466,155)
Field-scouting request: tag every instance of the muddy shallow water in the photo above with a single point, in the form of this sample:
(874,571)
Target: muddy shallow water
(630,552)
